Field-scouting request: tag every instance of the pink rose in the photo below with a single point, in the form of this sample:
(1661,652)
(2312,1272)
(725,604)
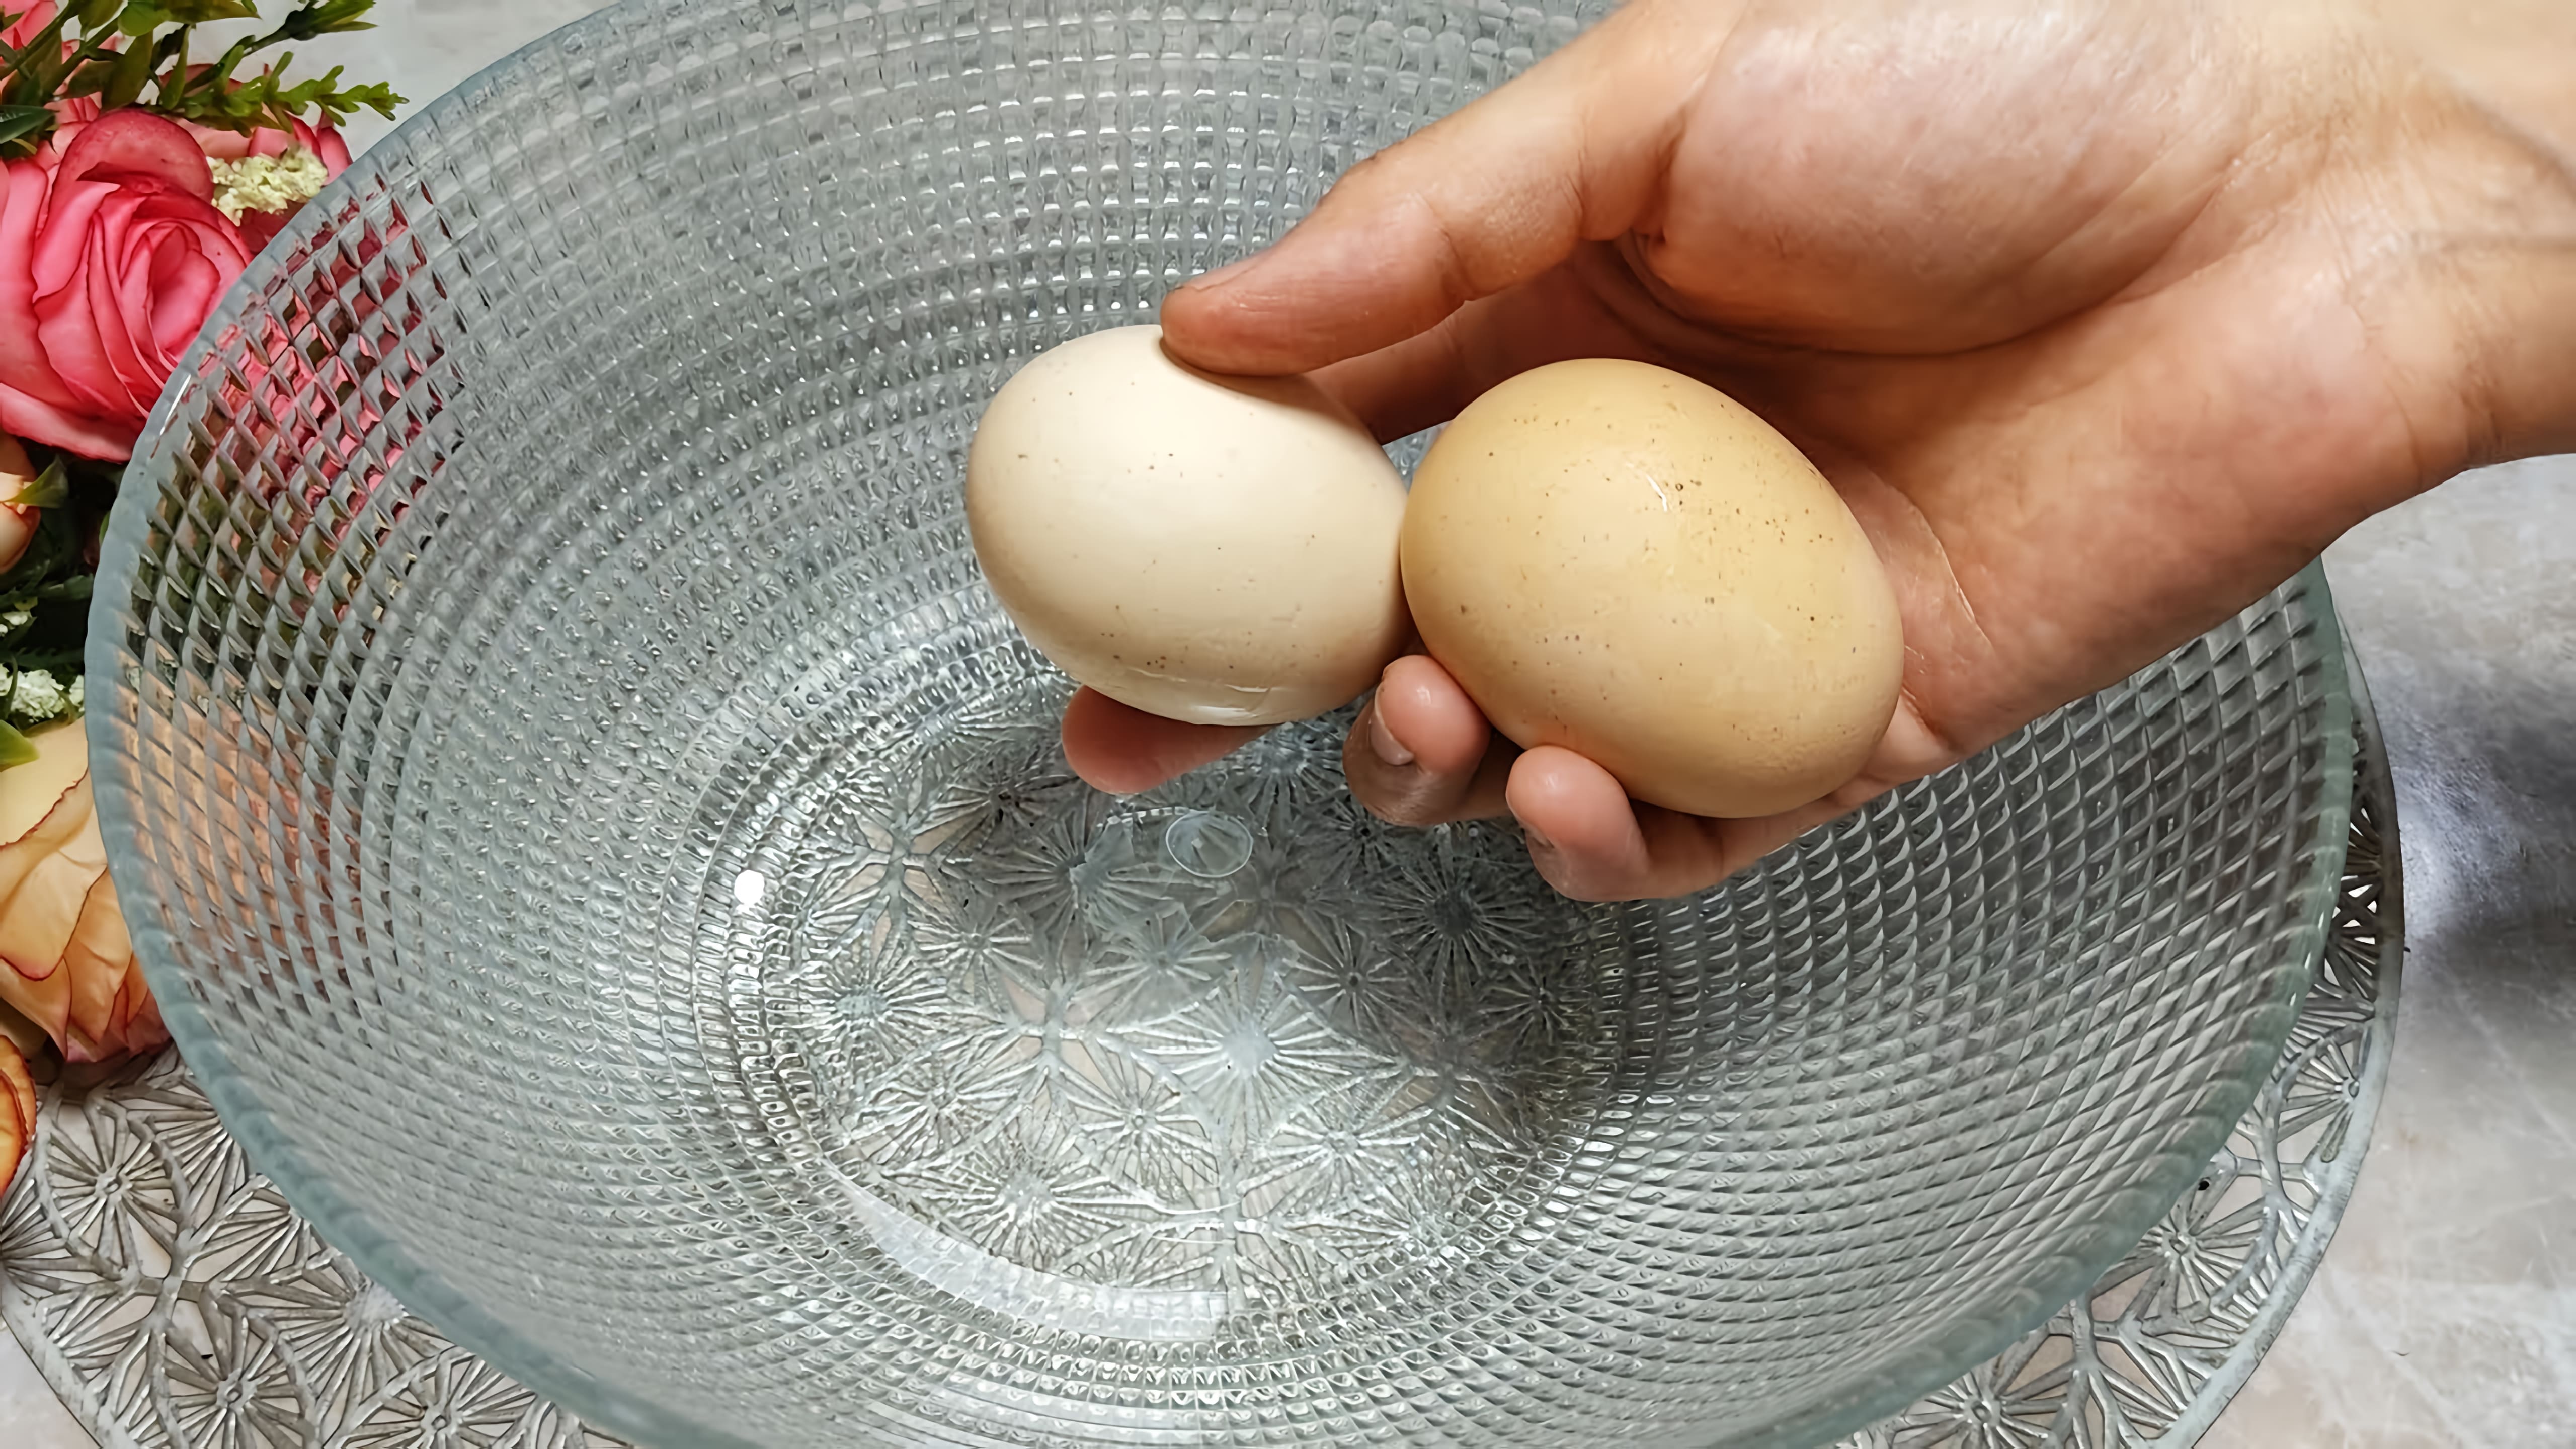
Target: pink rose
(327,408)
(110,260)
(71,113)
(38,16)
(322,141)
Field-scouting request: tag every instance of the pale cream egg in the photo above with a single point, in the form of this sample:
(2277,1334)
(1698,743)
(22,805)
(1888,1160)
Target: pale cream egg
(1220,550)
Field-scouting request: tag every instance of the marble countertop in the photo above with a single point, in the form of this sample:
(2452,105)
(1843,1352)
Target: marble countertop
(2445,1312)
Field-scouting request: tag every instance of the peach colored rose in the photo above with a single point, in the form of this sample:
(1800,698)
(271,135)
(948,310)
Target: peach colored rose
(110,260)
(17,1110)
(17,522)
(66,962)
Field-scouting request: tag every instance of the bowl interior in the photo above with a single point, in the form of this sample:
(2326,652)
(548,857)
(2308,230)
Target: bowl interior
(608,855)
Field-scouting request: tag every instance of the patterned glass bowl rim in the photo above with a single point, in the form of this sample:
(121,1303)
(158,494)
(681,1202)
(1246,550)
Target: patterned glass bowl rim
(276,1155)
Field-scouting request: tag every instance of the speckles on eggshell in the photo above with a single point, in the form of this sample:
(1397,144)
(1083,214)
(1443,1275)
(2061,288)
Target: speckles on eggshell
(1729,608)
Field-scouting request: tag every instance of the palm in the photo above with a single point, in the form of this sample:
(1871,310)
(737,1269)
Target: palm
(2085,404)
(2085,355)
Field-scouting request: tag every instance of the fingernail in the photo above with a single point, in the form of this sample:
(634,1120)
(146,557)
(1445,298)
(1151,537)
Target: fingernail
(1384,744)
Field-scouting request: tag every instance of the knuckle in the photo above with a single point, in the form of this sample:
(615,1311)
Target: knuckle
(1403,807)
(1411,803)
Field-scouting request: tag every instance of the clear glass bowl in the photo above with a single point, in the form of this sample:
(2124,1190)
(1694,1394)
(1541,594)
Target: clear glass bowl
(609,859)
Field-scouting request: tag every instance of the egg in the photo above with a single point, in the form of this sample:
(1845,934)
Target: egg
(1219,550)
(1621,560)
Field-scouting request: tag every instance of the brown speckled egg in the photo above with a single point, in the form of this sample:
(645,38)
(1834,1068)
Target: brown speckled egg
(1618,559)
(1213,549)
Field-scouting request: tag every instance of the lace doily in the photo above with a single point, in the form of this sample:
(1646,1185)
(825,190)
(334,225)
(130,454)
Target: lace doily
(174,1299)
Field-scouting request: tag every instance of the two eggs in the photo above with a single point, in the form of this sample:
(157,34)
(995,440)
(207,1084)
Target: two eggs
(1607,556)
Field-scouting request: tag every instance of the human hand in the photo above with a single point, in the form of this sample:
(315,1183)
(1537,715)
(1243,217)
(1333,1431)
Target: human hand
(2105,318)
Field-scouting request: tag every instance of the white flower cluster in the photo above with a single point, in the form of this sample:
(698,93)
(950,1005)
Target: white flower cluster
(36,697)
(267,183)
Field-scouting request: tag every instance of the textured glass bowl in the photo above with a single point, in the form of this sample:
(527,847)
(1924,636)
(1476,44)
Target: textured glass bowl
(609,858)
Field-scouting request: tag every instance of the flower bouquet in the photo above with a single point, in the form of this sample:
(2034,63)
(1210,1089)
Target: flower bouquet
(145,164)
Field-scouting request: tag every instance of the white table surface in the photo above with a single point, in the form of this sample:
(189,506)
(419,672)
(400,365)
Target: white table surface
(2445,1313)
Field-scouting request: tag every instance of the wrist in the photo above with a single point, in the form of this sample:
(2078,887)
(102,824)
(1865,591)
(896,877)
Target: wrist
(2486,199)
(2511,59)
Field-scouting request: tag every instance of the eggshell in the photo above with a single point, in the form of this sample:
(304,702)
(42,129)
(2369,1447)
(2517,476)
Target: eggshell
(1618,559)
(1219,550)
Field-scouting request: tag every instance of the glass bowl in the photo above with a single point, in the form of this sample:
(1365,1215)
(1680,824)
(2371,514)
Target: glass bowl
(609,858)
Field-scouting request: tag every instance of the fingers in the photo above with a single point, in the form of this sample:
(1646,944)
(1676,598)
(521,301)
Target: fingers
(1592,843)
(1126,751)
(1428,378)
(1421,753)
(1582,832)
(1492,196)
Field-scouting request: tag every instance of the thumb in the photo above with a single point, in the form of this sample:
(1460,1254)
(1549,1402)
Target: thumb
(1509,186)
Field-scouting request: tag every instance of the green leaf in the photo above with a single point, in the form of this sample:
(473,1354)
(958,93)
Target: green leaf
(266,99)
(15,749)
(96,13)
(202,12)
(63,663)
(326,17)
(18,121)
(50,488)
(128,74)
(90,79)
(140,19)
(377,97)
